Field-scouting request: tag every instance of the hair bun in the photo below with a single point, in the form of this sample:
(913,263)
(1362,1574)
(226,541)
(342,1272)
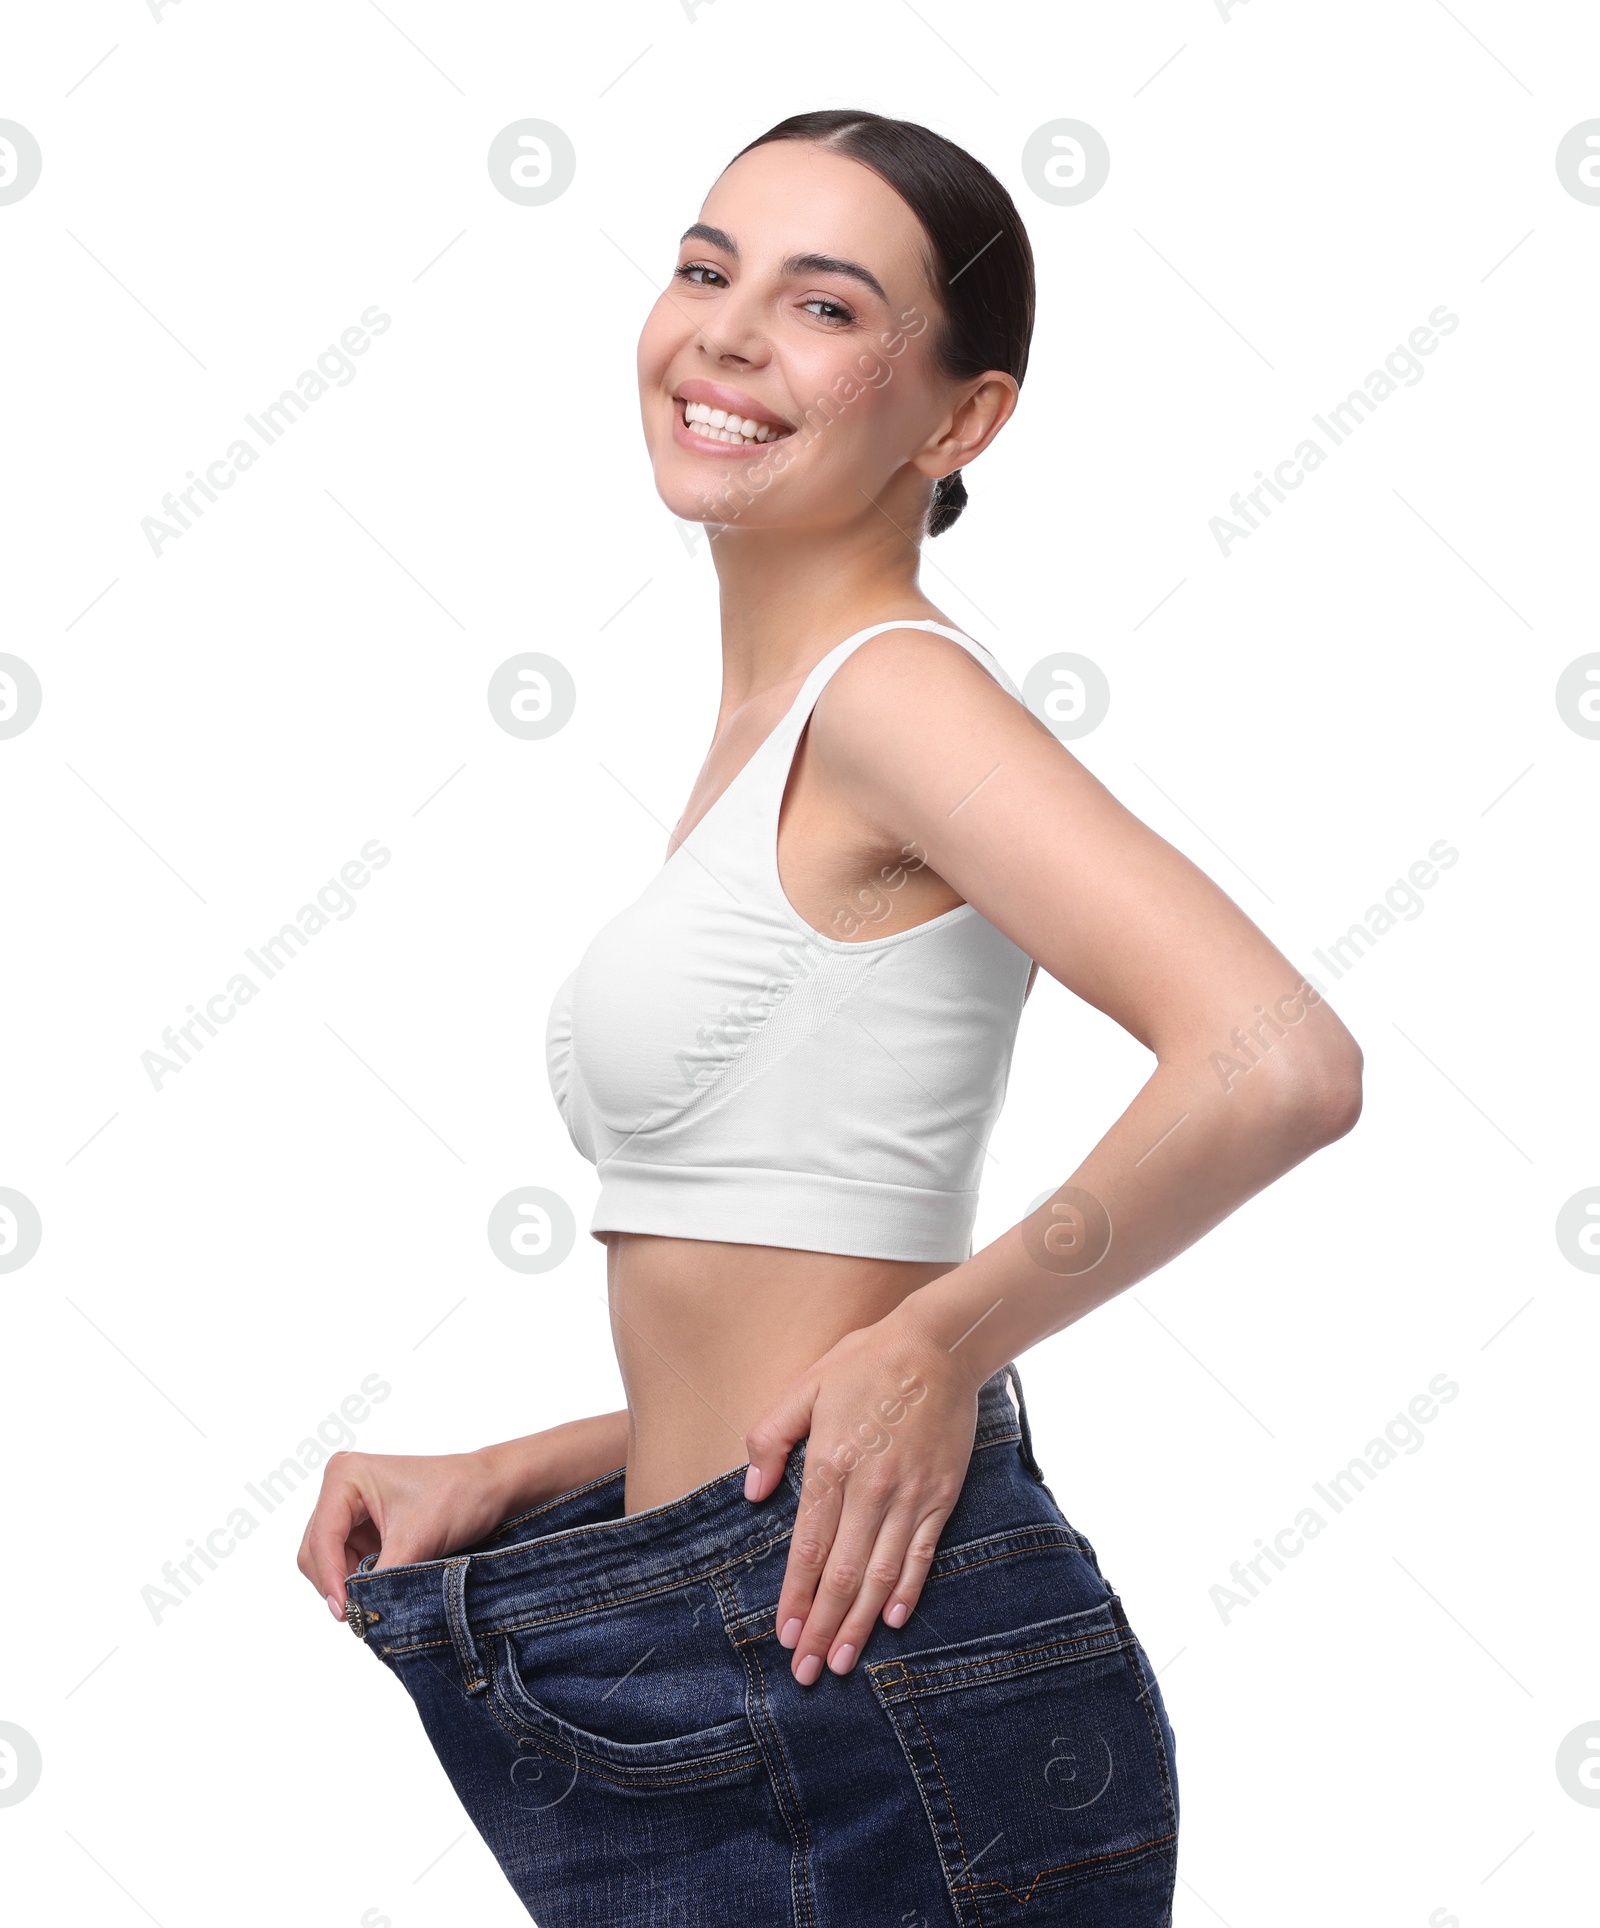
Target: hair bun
(949,499)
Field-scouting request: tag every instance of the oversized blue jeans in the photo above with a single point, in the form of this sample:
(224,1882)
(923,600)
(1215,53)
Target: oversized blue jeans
(609,1699)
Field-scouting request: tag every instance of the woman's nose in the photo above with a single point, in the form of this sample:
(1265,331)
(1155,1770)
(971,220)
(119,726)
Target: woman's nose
(740,331)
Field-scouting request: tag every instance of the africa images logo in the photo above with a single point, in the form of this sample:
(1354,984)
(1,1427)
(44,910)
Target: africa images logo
(334,365)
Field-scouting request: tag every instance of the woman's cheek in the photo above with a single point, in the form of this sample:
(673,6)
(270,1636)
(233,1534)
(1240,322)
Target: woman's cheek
(655,346)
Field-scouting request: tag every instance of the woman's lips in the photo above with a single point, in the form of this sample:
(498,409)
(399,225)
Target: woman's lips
(687,436)
(708,400)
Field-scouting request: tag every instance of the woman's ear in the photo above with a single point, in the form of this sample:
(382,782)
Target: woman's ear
(977,418)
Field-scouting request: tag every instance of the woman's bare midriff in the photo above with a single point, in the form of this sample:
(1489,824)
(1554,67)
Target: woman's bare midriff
(709,1335)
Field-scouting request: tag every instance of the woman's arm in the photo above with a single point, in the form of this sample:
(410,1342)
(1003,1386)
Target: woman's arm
(1253,1072)
(524,1472)
(408,1507)
(1206,1132)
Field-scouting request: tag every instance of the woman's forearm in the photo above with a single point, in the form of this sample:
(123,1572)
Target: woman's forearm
(540,1465)
(1198,1140)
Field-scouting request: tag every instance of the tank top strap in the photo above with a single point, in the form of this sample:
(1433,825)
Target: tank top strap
(730,823)
(814,684)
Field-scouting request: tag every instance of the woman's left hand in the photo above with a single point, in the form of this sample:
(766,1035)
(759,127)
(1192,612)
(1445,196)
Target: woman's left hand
(889,1419)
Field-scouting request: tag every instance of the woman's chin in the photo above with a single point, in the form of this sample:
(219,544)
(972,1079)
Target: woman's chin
(714,500)
(683,507)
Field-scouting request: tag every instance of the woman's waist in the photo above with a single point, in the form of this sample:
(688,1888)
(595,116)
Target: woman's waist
(580,1554)
(710,1278)
(710,1335)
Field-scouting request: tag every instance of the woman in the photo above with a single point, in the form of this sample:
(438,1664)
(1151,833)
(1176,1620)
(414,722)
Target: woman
(801,1636)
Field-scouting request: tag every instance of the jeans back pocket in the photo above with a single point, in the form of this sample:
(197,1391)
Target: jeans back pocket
(1042,1765)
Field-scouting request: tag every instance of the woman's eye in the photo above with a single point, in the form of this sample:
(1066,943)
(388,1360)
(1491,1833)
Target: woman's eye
(701,274)
(839,315)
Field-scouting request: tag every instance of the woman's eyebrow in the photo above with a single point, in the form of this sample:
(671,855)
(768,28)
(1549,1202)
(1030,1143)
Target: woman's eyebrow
(792,264)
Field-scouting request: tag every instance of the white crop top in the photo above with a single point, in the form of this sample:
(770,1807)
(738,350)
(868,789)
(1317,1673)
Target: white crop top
(736,1075)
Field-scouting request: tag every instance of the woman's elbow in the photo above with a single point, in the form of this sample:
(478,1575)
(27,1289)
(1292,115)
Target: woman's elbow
(1339,1094)
(1322,1094)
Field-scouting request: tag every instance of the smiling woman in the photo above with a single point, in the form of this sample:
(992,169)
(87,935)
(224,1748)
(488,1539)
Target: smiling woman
(801,1636)
(872,303)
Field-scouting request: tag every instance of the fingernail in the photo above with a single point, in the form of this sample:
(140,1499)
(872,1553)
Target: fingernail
(790,1632)
(335,1606)
(895,1616)
(752,1483)
(808,1669)
(841,1659)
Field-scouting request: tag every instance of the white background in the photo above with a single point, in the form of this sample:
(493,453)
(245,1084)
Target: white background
(1373,1738)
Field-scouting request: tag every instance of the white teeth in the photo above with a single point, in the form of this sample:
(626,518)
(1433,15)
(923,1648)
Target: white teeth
(718,425)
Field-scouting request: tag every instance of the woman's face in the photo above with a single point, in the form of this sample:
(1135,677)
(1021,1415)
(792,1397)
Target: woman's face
(801,321)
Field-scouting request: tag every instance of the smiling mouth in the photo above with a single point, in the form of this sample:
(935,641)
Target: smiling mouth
(721,425)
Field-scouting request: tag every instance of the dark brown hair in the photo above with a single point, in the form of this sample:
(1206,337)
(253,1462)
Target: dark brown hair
(980,263)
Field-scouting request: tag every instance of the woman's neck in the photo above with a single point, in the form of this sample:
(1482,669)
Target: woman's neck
(788,595)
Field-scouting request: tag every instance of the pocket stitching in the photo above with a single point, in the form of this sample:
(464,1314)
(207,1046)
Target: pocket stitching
(1108,1639)
(674,1583)
(1159,1743)
(653,1777)
(1115,1639)
(1061,1867)
(1053,1539)
(764,1623)
(1068,1650)
(733,1757)
(802,1891)
(949,1802)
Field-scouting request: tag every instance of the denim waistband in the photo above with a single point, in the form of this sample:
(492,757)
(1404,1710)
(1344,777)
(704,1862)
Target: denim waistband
(578,1553)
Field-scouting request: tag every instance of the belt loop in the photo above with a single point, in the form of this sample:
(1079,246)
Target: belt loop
(1028,1459)
(455,1613)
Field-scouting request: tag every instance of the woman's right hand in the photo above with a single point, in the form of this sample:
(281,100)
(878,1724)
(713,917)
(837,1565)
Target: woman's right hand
(400,1507)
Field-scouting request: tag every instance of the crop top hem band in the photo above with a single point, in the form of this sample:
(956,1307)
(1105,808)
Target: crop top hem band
(809,1211)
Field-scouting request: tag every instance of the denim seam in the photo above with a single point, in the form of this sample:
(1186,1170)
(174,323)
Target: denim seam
(455,1610)
(1157,1739)
(934,1573)
(1058,1537)
(799,1887)
(1083,1644)
(922,1796)
(1067,1649)
(1060,1867)
(675,1584)
(950,1809)
(1025,1431)
(544,1506)
(640,1779)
